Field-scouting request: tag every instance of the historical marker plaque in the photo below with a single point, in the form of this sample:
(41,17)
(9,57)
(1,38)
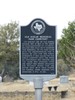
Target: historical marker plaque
(38,50)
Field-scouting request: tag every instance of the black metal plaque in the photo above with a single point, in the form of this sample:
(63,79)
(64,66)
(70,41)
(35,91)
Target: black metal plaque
(38,48)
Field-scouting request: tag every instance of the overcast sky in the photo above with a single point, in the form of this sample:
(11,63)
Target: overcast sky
(54,12)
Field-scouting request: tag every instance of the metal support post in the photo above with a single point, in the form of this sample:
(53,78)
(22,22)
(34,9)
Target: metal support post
(38,85)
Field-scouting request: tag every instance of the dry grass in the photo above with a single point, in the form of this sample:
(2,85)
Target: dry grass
(15,86)
(13,98)
(46,96)
(21,90)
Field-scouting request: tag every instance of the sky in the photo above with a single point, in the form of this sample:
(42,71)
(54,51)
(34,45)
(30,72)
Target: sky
(54,12)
